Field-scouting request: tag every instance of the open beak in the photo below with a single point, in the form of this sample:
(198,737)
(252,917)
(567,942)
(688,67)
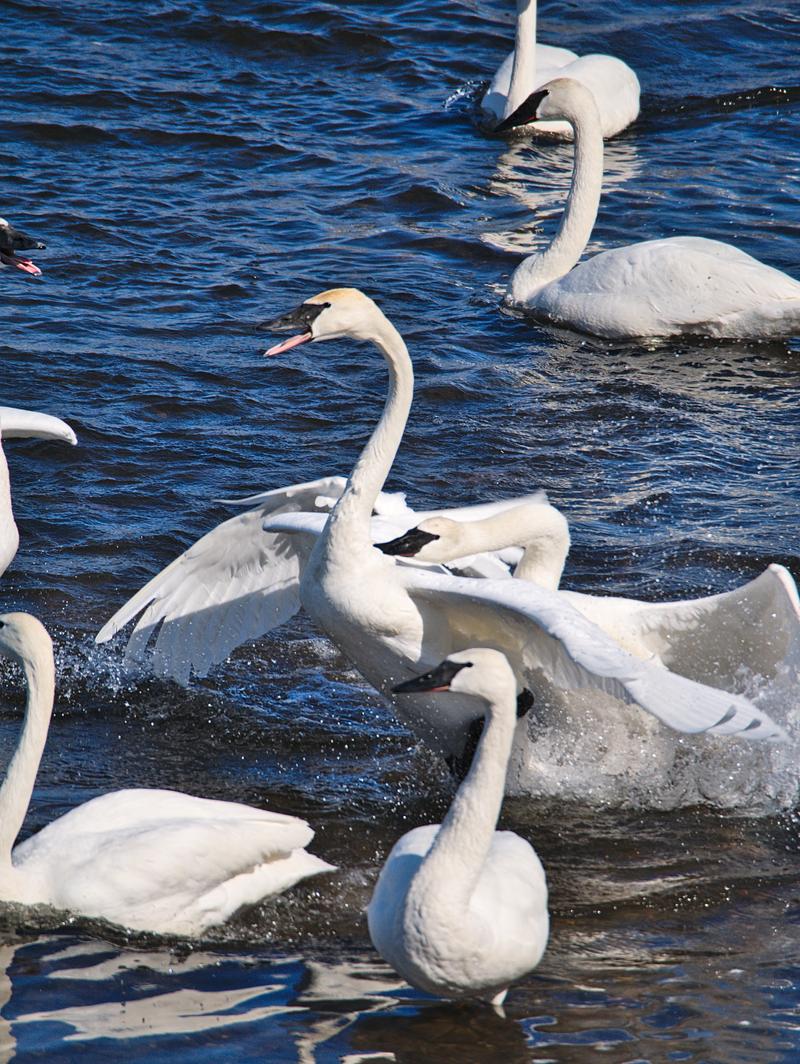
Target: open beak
(12,240)
(302,317)
(407,545)
(437,679)
(8,258)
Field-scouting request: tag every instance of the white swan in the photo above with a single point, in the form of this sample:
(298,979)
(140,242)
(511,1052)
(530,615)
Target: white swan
(753,627)
(680,284)
(151,860)
(238,582)
(11,241)
(13,423)
(613,84)
(459,909)
(395,621)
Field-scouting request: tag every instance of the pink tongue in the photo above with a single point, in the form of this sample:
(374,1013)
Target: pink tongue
(287,345)
(27,267)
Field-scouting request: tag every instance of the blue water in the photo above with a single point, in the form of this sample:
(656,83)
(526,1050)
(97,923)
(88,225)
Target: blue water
(195,169)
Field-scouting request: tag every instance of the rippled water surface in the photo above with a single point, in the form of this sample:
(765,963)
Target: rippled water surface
(196,168)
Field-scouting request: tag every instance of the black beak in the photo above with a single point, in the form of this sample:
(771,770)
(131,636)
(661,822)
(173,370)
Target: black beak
(437,679)
(525,113)
(407,545)
(301,318)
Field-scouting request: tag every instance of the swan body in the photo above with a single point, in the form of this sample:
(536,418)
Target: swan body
(656,288)
(755,626)
(14,423)
(394,621)
(460,909)
(237,582)
(151,860)
(12,241)
(613,84)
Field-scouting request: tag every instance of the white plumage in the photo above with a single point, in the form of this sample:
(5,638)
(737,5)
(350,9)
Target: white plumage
(13,423)
(613,84)
(151,860)
(460,909)
(666,287)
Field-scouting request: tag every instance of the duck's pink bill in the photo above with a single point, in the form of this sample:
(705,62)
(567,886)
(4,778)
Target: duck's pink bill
(287,345)
(28,267)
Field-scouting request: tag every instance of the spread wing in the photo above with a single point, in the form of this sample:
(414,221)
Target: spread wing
(234,584)
(755,627)
(539,630)
(240,581)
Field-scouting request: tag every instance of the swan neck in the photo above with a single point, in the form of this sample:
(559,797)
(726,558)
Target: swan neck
(577,221)
(9,536)
(349,524)
(452,867)
(15,794)
(523,72)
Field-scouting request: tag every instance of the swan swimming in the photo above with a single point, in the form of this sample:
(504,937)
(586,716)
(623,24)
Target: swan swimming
(14,422)
(11,241)
(681,284)
(394,622)
(151,860)
(613,84)
(460,909)
(755,626)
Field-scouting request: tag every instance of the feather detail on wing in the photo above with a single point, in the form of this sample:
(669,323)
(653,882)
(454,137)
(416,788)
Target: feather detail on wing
(233,585)
(539,629)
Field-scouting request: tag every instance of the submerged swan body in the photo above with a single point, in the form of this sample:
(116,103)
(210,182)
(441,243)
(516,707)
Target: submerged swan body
(151,860)
(395,621)
(754,627)
(14,423)
(657,288)
(460,909)
(613,84)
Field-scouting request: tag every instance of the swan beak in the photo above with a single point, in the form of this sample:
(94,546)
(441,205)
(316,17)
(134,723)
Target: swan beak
(525,113)
(303,316)
(437,679)
(407,545)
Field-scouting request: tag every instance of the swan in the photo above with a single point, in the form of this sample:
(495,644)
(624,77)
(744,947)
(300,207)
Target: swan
(11,241)
(150,860)
(460,909)
(614,85)
(754,626)
(395,621)
(14,422)
(237,582)
(681,284)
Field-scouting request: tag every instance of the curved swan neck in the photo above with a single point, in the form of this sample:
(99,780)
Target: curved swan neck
(9,536)
(580,214)
(450,870)
(523,73)
(15,794)
(350,520)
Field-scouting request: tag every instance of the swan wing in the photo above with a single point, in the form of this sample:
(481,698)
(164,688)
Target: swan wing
(15,422)
(753,626)
(233,585)
(539,630)
(154,859)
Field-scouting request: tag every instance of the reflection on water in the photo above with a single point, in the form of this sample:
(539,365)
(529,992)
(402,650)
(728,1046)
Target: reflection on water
(537,177)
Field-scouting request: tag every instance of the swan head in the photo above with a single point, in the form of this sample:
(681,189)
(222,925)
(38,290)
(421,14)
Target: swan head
(327,316)
(422,542)
(21,635)
(481,672)
(12,240)
(561,98)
